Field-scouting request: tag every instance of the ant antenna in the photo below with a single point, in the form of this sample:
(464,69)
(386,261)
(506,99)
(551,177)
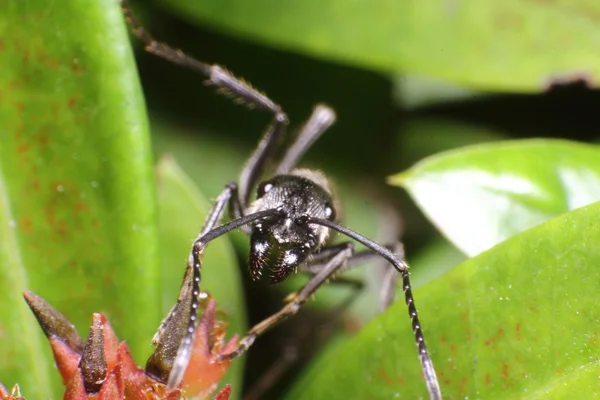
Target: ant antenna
(184,352)
(402,267)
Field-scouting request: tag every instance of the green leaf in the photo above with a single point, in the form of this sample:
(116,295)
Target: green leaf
(182,210)
(420,137)
(433,261)
(480,195)
(519,320)
(488,44)
(415,91)
(208,159)
(77,203)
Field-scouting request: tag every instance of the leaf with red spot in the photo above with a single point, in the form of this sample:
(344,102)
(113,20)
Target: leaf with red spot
(518,320)
(77,203)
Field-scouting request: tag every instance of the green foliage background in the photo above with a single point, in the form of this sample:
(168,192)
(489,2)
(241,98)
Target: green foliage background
(85,223)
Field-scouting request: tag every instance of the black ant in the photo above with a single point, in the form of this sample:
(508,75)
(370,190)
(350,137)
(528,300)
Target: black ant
(288,221)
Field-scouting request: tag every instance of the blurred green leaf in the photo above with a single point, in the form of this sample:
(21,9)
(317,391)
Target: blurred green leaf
(519,320)
(182,210)
(77,206)
(422,137)
(480,195)
(209,160)
(413,91)
(487,44)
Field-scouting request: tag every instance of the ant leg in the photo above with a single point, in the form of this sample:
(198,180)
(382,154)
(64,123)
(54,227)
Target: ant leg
(160,363)
(401,266)
(229,85)
(228,195)
(296,302)
(321,260)
(252,171)
(291,353)
(388,287)
(218,76)
(191,288)
(243,92)
(389,281)
(317,262)
(168,362)
(321,119)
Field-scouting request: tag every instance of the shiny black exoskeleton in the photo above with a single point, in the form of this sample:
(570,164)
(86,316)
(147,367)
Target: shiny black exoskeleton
(284,241)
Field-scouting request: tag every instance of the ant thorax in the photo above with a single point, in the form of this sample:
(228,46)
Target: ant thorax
(284,241)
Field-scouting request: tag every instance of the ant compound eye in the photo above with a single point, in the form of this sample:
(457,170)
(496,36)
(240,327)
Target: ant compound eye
(329,213)
(263,188)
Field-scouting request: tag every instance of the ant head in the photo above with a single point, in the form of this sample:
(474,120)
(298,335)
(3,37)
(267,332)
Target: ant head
(285,240)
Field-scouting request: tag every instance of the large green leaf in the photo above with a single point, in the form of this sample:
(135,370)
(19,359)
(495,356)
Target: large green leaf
(480,195)
(77,206)
(517,321)
(433,261)
(490,44)
(182,210)
(416,91)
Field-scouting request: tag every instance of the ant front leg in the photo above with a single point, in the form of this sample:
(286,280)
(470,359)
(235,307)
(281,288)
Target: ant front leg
(330,269)
(228,85)
(227,196)
(321,118)
(182,357)
(165,355)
